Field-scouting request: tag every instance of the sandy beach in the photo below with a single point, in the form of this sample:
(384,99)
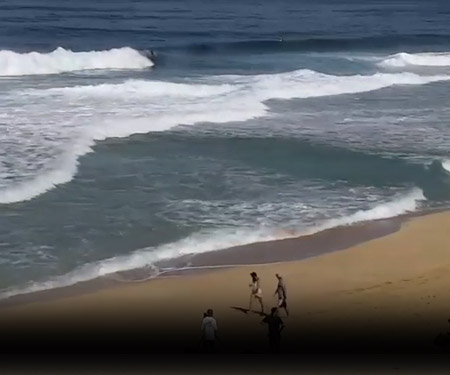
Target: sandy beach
(388,294)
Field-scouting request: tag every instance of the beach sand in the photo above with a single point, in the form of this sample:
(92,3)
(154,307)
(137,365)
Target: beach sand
(385,295)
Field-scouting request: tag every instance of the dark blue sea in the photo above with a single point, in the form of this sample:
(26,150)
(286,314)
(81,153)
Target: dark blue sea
(251,121)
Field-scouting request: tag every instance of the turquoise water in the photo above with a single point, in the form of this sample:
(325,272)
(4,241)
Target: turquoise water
(255,121)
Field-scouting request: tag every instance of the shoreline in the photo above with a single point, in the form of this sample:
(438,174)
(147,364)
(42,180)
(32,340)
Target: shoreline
(289,249)
(258,253)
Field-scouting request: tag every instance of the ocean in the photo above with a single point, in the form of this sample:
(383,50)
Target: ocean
(255,121)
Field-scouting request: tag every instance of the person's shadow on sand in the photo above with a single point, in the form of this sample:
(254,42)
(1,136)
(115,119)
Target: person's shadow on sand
(246,311)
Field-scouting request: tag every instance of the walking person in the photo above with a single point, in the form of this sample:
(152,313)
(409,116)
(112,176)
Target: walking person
(282,294)
(256,292)
(209,331)
(275,326)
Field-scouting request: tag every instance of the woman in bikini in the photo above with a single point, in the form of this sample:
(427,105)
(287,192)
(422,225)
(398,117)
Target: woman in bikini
(256,292)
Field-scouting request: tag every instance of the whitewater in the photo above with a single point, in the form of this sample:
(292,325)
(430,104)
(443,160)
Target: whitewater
(446,165)
(64,60)
(87,114)
(426,59)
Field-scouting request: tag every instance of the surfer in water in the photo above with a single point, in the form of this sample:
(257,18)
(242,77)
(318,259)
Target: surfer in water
(149,54)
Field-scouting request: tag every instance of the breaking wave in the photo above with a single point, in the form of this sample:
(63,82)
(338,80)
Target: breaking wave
(403,59)
(446,165)
(63,60)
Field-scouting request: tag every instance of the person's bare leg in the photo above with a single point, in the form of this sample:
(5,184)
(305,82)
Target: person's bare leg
(250,303)
(261,303)
(282,305)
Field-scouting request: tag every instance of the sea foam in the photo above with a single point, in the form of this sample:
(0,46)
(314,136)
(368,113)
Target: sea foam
(404,59)
(63,60)
(446,165)
(96,112)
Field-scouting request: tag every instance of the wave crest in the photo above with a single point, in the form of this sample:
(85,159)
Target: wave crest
(446,165)
(404,59)
(63,60)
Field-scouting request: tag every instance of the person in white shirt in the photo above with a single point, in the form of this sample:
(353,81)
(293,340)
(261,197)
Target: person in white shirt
(209,330)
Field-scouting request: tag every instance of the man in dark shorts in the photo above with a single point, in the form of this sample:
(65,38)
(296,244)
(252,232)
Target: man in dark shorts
(275,325)
(282,294)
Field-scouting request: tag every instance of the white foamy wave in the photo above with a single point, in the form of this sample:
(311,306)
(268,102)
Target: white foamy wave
(196,244)
(44,182)
(446,165)
(403,59)
(62,173)
(309,84)
(95,112)
(299,84)
(136,88)
(207,242)
(396,207)
(62,60)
